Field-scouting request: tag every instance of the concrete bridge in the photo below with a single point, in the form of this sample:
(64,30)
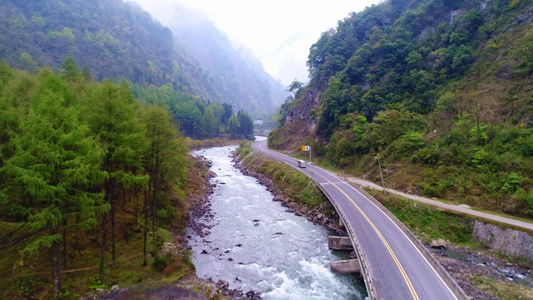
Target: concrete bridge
(393,262)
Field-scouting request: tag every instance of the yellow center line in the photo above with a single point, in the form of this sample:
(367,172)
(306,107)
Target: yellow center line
(398,264)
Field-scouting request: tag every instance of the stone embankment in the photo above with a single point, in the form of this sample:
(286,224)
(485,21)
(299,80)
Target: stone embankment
(510,242)
(316,215)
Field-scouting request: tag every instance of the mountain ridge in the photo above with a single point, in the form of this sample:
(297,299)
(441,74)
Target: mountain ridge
(118,39)
(235,72)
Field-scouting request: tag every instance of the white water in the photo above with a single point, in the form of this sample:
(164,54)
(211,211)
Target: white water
(255,245)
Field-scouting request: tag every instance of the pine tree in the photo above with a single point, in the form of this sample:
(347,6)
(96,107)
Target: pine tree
(70,69)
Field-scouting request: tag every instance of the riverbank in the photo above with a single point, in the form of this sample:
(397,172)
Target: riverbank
(202,208)
(293,189)
(253,243)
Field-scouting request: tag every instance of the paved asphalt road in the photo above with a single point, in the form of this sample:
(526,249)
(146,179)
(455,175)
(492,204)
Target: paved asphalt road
(397,269)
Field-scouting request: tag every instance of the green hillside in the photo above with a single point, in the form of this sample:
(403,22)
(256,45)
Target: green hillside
(112,38)
(118,40)
(442,90)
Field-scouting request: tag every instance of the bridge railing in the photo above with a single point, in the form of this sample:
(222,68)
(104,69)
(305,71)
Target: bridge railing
(360,255)
(448,279)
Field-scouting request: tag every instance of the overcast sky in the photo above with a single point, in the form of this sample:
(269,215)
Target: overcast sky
(278,32)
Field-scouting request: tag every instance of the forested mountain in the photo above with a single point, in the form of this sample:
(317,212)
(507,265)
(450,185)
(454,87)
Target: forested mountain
(442,90)
(117,39)
(236,73)
(112,38)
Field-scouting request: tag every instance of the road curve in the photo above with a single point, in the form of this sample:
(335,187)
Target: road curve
(396,268)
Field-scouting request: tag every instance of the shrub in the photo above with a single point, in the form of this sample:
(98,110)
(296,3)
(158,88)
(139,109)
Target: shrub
(160,263)
(427,156)
(161,236)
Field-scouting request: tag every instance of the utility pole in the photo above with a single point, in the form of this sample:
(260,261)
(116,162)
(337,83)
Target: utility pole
(381,174)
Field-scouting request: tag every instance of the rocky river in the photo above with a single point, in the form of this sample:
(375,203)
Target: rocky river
(247,242)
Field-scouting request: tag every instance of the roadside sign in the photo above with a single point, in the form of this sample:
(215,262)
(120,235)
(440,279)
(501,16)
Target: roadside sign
(306,148)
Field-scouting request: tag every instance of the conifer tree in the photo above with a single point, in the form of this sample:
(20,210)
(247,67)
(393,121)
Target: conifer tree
(112,115)
(165,161)
(55,164)
(69,69)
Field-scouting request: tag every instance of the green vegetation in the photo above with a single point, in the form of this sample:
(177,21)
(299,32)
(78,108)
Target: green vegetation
(427,222)
(445,103)
(89,180)
(197,119)
(292,182)
(114,39)
(504,291)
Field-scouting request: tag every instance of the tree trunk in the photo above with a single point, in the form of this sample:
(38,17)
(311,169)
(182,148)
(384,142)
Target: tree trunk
(56,265)
(145,235)
(113,246)
(102,252)
(65,224)
(155,196)
(154,204)
(77,235)
(136,208)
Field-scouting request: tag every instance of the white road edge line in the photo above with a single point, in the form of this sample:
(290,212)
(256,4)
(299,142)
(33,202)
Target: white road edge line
(446,285)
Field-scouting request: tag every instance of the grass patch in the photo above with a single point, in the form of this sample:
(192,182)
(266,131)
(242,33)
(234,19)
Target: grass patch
(428,223)
(504,291)
(244,149)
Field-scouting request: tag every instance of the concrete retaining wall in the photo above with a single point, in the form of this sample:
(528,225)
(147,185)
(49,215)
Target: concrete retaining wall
(345,267)
(510,242)
(339,243)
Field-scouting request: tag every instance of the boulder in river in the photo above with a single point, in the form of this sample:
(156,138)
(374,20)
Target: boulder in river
(222,285)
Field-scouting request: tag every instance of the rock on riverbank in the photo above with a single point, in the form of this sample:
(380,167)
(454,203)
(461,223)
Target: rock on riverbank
(200,208)
(316,215)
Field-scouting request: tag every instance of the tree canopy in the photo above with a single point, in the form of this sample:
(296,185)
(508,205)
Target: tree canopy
(75,154)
